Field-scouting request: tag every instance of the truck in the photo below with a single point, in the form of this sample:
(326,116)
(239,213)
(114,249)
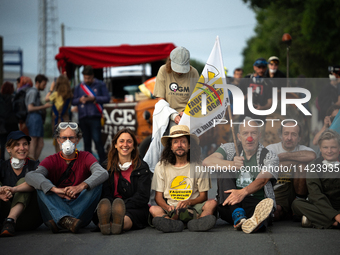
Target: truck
(118,114)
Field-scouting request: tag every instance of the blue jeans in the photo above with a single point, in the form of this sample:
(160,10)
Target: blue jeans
(54,207)
(91,128)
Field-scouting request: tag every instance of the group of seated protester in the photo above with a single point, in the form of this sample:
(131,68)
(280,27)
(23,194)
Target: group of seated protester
(69,189)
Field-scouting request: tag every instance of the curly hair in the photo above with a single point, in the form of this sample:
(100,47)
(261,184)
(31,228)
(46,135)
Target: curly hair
(63,88)
(113,157)
(193,155)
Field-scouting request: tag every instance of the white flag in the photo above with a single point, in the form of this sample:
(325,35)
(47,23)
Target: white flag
(207,104)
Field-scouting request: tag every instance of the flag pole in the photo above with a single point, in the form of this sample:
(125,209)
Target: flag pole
(233,131)
(228,103)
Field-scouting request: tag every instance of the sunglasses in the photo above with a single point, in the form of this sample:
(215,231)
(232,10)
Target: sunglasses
(71,125)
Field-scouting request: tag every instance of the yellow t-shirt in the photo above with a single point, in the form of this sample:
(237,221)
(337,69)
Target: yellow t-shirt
(175,89)
(57,100)
(178,183)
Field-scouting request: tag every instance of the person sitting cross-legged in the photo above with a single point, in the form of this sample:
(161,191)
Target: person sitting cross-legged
(322,209)
(245,193)
(68,183)
(181,194)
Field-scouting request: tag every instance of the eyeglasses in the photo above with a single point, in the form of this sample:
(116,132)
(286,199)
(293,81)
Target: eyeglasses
(71,125)
(64,138)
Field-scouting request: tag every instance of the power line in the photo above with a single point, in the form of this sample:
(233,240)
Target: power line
(195,30)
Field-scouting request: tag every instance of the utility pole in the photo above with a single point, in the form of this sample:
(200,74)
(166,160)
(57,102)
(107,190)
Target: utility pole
(62,29)
(48,20)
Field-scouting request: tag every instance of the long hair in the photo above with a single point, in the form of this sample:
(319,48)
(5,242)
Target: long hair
(63,88)
(7,88)
(113,158)
(193,155)
(168,65)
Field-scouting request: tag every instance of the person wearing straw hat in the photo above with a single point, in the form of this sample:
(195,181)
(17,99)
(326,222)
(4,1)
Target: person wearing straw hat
(245,192)
(181,193)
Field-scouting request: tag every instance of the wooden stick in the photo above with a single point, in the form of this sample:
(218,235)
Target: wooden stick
(233,131)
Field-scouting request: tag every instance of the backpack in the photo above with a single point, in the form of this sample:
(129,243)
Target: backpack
(2,116)
(19,105)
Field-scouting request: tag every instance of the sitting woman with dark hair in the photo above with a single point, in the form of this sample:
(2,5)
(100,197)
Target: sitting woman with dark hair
(126,193)
(18,200)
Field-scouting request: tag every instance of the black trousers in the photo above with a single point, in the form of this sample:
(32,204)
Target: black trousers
(248,204)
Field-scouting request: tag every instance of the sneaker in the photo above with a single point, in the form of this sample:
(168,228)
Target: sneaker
(262,212)
(305,222)
(8,228)
(104,215)
(202,224)
(118,213)
(70,223)
(167,225)
(239,216)
(52,226)
(238,226)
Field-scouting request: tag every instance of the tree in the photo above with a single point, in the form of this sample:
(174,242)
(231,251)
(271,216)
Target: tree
(313,25)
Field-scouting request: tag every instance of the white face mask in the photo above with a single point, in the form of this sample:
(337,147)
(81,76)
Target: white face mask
(67,147)
(332,77)
(17,163)
(125,166)
(331,164)
(272,70)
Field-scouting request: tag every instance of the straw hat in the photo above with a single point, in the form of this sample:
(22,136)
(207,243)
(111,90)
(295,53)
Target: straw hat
(177,131)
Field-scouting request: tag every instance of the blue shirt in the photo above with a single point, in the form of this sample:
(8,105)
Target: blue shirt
(89,109)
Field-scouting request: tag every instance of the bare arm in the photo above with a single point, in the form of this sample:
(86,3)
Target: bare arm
(23,187)
(161,202)
(190,202)
(297,156)
(32,108)
(326,124)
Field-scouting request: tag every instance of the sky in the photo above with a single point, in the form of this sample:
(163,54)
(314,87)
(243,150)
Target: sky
(193,24)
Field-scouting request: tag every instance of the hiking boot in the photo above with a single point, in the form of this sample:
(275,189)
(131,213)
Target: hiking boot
(202,224)
(8,228)
(305,222)
(167,225)
(104,215)
(118,213)
(262,212)
(70,223)
(239,217)
(52,226)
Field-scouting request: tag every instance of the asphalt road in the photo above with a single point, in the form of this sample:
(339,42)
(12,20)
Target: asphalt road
(281,238)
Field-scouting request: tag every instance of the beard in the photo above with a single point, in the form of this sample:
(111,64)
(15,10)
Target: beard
(179,154)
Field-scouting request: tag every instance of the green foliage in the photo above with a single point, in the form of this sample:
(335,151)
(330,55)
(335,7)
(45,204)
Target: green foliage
(313,25)
(198,65)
